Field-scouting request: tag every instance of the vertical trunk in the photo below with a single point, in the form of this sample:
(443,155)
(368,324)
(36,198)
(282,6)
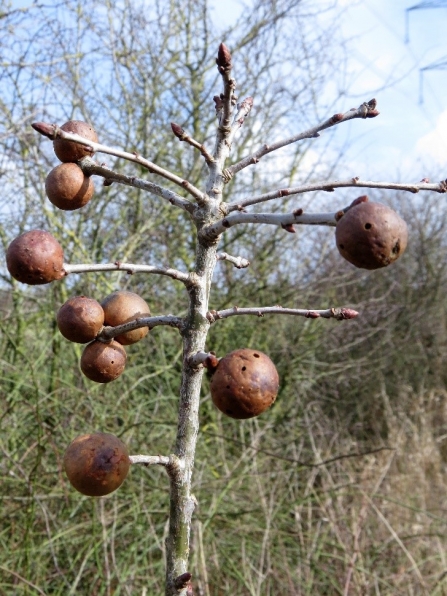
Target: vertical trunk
(182,501)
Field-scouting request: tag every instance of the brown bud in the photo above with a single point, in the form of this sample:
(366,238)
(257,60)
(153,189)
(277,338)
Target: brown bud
(223,60)
(182,581)
(288,228)
(362,199)
(178,131)
(211,362)
(348,313)
(47,130)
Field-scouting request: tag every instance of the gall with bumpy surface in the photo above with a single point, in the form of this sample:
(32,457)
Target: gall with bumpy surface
(96,464)
(80,319)
(69,151)
(122,307)
(244,384)
(35,258)
(103,362)
(68,188)
(371,235)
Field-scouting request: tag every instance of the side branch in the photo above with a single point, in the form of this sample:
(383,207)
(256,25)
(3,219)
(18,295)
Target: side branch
(172,463)
(150,460)
(284,220)
(366,110)
(331,185)
(238,262)
(53,132)
(224,67)
(129,268)
(90,167)
(107,333)
(182,135)
(340,314)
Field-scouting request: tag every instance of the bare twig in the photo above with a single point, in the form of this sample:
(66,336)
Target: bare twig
(107,333)
(89,167)
(331,313)
(224,67)
(238,262)
(150,460)
(182,135)
(285,220)
(366,110)
(54,132)
(330,185)
(208,359)
(129,268)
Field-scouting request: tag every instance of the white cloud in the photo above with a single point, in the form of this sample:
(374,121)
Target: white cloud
(433,146)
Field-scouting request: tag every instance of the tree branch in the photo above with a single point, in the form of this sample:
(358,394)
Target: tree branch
(208,359)
(330,185)
(224,67)
(286,220)
(173,464)
(129,268)
(182,135)
(366,110)
(90,167)
(150,460)
(107,333)
(53,132)
(340,314)
(238,262)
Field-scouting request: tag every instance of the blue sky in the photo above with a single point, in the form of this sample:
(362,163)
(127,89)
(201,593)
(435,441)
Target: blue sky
(409,139)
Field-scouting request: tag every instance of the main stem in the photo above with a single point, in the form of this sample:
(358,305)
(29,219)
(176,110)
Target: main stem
(194,337)
(182,501)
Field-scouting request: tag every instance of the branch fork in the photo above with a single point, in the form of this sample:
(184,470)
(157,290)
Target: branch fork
(52,132)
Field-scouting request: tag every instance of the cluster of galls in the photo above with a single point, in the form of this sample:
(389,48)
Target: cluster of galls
(81,319)
(67,186)
(244,383)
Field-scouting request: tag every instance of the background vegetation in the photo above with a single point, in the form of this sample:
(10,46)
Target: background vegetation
(288,503)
